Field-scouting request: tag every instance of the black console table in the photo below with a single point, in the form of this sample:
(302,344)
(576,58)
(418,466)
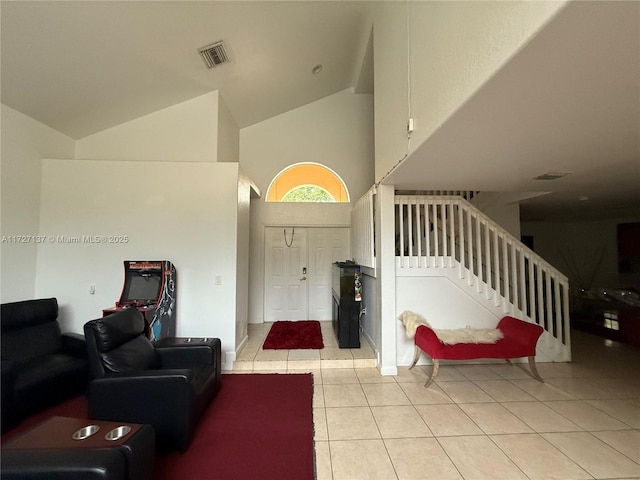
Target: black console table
(347,302)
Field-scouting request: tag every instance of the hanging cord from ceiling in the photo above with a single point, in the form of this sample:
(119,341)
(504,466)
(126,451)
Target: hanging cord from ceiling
(406,154)
(284,233)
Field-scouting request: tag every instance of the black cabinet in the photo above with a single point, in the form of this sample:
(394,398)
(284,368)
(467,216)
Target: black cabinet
(347,301)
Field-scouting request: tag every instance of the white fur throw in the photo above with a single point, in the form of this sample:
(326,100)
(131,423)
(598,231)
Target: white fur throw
(412,321)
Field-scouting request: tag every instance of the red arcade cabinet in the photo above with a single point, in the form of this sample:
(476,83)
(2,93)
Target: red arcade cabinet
(150,286)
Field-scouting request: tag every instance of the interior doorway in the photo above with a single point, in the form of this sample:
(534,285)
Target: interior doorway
(297,283)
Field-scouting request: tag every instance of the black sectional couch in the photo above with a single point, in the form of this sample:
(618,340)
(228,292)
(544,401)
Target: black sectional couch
(40,365)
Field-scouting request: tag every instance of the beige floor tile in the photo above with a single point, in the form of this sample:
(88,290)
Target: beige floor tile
(365,351)
(364,363)
(243,366)
(307,365)
(400,422)
(334,353)
(478,458)
(626,442)
(247,354)
(351,423)
(320,424)
(627,387)
(503,390)
(385,394)
(446,373)
(372,375)
(464,392)
(493,418)
(276,366)
(542,391)
(420,458)
(446,420)
(414,375)
(304,354)
(586,416)
(317,377)
(621,409)
(538,459)
(361,460)
(501,398)
(477,372)
(540,417)
(516,370)
(339,376)
(272,355)
(582,388)
(348,395)
(335,364)
(418,394)
(594,455)
(323,461)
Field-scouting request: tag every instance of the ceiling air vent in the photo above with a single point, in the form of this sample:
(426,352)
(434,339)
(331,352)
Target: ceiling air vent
(214,54)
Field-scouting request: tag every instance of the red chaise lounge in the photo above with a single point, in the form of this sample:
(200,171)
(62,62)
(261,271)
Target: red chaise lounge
(520,340)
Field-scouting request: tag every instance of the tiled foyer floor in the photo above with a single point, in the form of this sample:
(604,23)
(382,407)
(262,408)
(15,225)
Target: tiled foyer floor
(487,421)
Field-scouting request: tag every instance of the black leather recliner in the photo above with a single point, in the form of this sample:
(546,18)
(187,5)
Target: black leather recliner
(40,365)
(167,386)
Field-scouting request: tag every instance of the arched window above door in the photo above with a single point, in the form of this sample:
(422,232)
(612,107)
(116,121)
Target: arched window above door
(307,182)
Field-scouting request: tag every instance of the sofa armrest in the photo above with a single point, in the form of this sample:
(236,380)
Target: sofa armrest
(521,332)
(428,341)
(162,398)
(177,353)
(74,344)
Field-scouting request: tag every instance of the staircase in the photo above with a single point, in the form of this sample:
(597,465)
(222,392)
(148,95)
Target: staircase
(444,235)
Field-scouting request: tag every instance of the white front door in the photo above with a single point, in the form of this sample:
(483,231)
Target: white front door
(298,271)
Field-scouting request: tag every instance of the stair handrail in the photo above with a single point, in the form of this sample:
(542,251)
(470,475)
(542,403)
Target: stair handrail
(470,207)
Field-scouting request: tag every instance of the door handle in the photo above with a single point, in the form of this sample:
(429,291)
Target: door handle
(303,278)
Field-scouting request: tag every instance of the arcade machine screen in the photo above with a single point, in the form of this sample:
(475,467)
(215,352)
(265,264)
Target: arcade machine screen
(142,288)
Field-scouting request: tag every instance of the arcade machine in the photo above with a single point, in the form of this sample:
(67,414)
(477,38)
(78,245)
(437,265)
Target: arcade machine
(150,286)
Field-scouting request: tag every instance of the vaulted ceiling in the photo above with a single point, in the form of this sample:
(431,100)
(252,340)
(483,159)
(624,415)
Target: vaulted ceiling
(568,102)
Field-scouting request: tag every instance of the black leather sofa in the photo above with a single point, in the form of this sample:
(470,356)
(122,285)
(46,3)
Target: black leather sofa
(167,384)
(40,365)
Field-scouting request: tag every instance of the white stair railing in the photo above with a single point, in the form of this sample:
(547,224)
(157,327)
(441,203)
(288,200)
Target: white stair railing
(449,232)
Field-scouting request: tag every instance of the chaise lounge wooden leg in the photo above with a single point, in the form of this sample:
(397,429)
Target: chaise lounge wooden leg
(416,357)
(434,372)
(534,370)
(532,367)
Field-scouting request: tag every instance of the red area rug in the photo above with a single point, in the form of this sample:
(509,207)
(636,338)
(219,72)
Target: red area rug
(287,335)
(257,427)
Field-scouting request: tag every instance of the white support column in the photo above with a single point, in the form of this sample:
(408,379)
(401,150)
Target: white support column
(386,272)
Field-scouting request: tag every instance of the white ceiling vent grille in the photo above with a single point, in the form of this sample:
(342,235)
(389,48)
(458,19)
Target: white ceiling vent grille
(214,54)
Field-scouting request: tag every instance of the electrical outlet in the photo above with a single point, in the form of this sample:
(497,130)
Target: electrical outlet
(363,311)
(411,126)
(218,279)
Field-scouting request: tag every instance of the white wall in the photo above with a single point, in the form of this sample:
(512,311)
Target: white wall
(390,64)
(586,251)
(337,132)
(228,134)
(184,212)
(443,305)
(452,49)
(24,143)
(186,132)
(386,278)
(242,264)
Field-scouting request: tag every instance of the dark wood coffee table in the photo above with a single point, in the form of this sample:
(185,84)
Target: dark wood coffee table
(67,435)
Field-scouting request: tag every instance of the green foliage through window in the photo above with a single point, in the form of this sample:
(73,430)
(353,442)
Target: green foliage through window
(308,193)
